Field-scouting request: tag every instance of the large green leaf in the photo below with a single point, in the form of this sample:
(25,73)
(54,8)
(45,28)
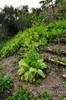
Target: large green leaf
(26,75)
(40,72)
(33,70)
(23,63)
(41,64)
(21,71)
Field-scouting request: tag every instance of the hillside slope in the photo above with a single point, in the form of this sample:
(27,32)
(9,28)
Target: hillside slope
(54,82)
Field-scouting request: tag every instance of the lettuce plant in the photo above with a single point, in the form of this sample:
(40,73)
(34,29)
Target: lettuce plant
(31,66)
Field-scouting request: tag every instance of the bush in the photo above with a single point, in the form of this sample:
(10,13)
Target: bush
(56,29)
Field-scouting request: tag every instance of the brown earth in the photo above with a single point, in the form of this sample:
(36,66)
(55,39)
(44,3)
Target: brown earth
(53,83)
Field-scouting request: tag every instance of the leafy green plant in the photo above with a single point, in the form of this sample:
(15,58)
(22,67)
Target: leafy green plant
(37,35)
(5,83)
(21,94)
(31,66)
(44,96)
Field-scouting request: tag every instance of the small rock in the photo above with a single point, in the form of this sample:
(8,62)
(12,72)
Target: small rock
(64,76)
(64,99)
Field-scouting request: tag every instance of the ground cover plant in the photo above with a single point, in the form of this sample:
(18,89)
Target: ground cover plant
(44,96)
(22,94)
(5,83)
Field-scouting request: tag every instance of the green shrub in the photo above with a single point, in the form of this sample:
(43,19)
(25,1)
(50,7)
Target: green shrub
(5,83)
(31,66)
(21,94)
(10,47)
(26,38)
(55,29)
(57,25)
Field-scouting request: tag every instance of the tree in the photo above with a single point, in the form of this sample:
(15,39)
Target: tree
(47,10)
(9,20)
(60,9)
(15,19)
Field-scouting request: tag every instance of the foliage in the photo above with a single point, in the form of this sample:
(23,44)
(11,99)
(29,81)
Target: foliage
(24,21)
(13,20)
(8,21)
(2,44)
(37,35)
(11,46)
(20,94)
(31,66)
(44,96)
(56,29)
(5,83)
(60,9)
(25,38)
(47,10)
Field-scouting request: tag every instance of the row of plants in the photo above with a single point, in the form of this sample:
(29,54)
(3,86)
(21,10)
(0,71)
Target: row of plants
(6,84)
(31,66)
(37,35)
(22,94)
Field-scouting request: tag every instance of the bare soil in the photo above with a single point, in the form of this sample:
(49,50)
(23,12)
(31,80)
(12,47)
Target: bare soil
(53,83)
